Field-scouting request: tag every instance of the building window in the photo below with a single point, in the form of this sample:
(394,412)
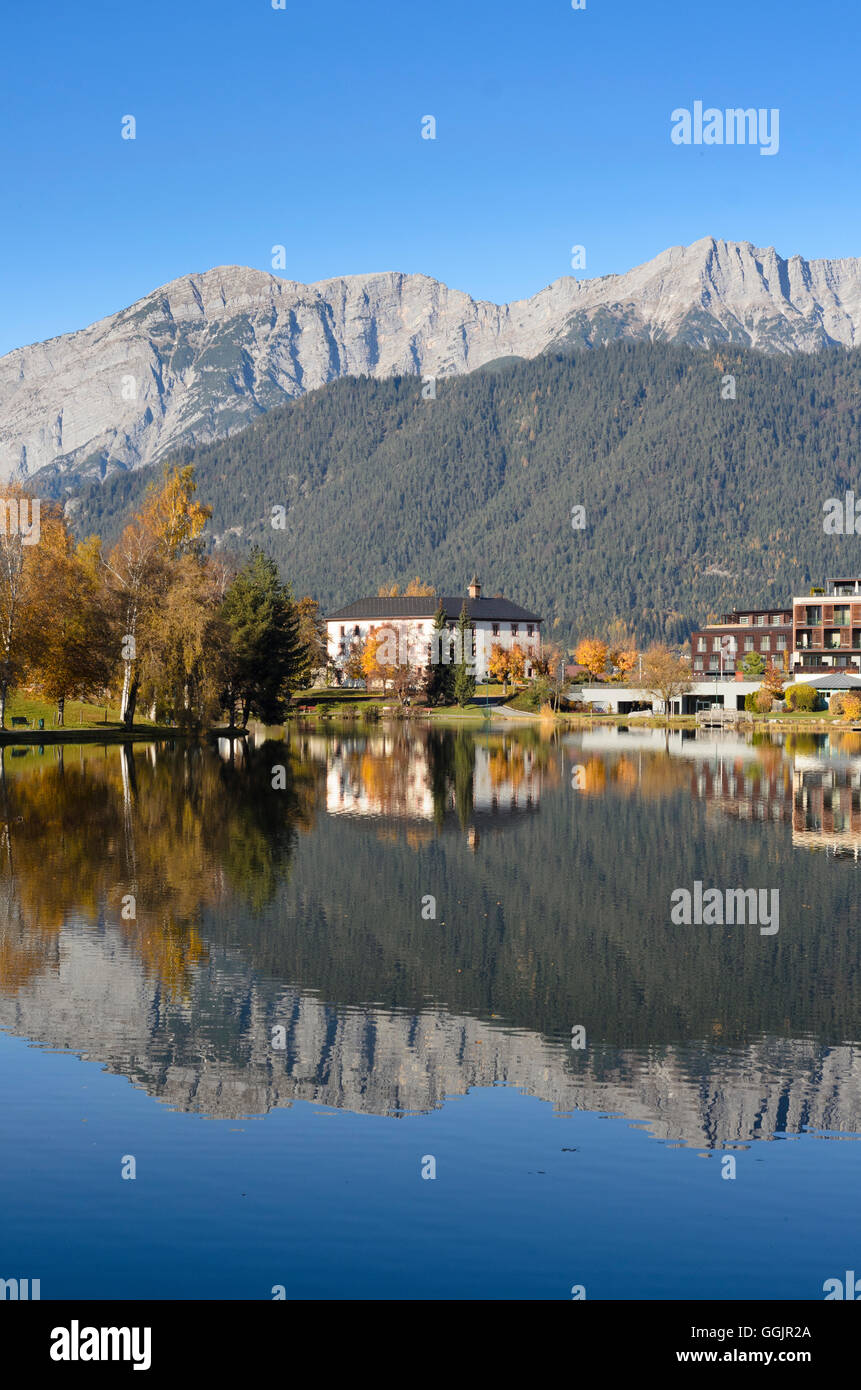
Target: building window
(765,644)
(496,629)
(841,615)
(745,620)
(356,630)
(832,640)
(514,629)
(781,644)
(760,620)
(343,632)
(529,629)
(716,644)
(698,663)
(748,644)
(814,615)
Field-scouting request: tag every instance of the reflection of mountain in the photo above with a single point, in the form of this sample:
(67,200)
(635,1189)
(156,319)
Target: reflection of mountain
(102,1003)
(241,923)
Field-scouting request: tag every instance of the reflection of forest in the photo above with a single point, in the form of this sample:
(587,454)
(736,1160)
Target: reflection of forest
(144,838)
(242,923)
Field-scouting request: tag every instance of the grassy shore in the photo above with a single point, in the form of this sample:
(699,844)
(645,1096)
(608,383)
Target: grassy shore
(91,723)
(84,723)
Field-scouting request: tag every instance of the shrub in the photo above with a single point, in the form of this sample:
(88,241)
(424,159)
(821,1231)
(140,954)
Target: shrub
(835,704)
(851,705)
(802,697)
(762,700)
(753,664)
(750,701)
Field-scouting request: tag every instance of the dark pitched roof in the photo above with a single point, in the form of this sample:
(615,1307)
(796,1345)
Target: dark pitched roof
(839,681)
(425,606)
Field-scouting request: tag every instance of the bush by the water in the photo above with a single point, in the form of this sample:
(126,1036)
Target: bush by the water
(803,698)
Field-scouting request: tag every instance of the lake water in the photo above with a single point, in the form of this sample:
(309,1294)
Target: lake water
(427,951)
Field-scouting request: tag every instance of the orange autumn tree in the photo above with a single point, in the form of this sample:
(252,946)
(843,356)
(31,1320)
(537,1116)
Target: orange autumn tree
(417,588)
(593,654)
(72,653)
(138,568)
(19,532)
(499,665)
(517,664)
(851,706)
(372,661)
(773,681)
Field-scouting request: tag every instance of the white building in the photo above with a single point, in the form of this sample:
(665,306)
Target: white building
(625,699)
(406,625)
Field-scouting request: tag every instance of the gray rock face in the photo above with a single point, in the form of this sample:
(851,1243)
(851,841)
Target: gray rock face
(201,356)
(98,1000)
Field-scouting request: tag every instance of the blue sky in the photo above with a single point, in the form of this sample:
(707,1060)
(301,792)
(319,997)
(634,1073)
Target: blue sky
(301,127)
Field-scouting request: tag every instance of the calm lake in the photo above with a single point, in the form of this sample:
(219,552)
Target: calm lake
(402,1013)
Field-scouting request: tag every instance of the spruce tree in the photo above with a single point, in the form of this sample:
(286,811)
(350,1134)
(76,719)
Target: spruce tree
(464,677)
(439,687)
(265,653)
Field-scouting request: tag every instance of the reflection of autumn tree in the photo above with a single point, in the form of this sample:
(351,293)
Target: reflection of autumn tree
(594,775)
(179,831)
(662,775)
(650,774)
(625,772)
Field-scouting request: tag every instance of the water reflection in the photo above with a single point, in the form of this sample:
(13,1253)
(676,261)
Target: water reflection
(164,909)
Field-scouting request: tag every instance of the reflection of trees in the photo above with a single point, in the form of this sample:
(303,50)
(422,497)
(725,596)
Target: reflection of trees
(177,830)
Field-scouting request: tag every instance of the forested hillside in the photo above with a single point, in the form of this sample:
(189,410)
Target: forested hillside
(693,503)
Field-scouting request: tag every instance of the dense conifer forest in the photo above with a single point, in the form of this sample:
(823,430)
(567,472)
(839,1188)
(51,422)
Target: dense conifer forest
(694,501)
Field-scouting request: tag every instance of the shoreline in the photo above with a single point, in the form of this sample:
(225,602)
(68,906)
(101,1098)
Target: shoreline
(472,718)
(107,734)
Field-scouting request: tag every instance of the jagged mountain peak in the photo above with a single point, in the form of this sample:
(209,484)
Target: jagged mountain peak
(200,356)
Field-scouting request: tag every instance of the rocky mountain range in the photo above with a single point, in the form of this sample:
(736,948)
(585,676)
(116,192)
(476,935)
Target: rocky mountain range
(98,1002)
(201,356)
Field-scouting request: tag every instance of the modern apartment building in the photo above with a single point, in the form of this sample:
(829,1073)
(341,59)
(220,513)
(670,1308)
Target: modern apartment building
(718,649)
(826,629)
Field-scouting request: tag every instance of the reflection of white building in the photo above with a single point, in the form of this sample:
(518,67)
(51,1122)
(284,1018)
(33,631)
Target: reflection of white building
(406,625)
(377,777)
(506,779)
(368,781)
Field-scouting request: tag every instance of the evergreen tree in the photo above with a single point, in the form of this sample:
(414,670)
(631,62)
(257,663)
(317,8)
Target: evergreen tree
(265,653)
(439,686)
(464,675)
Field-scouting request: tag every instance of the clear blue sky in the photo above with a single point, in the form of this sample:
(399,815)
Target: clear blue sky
(302,126)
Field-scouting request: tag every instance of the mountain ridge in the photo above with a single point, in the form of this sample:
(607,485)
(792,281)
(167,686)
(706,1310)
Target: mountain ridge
(693,502)
(199,357)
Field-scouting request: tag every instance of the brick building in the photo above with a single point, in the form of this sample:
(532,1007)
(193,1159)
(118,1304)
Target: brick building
(718,649)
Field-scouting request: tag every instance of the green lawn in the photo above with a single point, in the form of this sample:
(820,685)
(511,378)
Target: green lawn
(78,714)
